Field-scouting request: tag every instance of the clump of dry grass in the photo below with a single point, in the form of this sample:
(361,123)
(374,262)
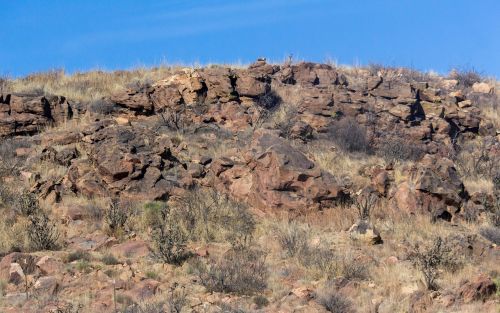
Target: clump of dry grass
(85,86)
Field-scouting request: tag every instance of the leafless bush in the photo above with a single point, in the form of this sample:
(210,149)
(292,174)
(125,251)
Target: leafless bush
(42,232)
(350,136)
(430,259)
(169,240)
(491,233)
(269,101)
(242,271)
(173,119)
(10,163)
(293,238)
(334,302)
(102,106)
(209,215)
(327,264)
(7,197)
(466,77)
(475,159)
(398,149)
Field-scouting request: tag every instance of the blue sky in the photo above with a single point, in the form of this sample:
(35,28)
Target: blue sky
(89,34)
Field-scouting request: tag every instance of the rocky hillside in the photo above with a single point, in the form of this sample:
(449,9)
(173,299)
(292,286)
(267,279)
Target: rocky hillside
(279,176)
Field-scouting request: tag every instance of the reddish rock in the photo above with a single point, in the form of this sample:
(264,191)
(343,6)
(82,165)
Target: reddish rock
(49,265)
(479,288)
(137,248)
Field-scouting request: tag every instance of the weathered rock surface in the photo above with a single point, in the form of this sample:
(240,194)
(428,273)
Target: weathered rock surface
(27,114)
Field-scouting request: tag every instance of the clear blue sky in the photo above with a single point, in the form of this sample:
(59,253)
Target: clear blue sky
(88,34)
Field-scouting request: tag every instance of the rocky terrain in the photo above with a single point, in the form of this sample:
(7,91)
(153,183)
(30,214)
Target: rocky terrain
(298,187)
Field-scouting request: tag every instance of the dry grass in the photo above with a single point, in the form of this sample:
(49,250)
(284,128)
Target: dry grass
(85,86)
(343,165)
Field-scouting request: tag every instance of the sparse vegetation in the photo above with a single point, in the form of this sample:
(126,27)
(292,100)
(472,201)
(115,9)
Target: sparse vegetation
(430,259)
(116,216)
(334,302)
(293,238)
(42,232)
(169,239)
(398,150)
(241,271)
(350,136)
(466,77)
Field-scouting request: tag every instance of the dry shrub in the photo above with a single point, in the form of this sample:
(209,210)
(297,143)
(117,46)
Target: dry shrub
(325,263)
(350,136)
(429,259)
(398,149)
(169,239)
(116,216)
(491,233)
(466,77)
(241,271)
(334,302)
(476,159)
(10,163)
(211,216)
(293,237)
(42,232)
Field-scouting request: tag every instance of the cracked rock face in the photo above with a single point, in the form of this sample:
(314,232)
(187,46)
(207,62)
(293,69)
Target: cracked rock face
(131,155)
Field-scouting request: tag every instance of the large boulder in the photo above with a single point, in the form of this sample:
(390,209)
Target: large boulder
(22,114)
(433,186)
(275,175)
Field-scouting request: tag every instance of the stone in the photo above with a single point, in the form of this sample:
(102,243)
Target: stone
(16,274)
(482,88)
(47,285)
(49,265)
(365,231)
(478,288)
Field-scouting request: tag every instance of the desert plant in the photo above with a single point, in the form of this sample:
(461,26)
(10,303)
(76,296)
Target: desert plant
(268,101)
(173,119)
(350,136)
(364,203)
(78,255)
(42,232)
(169,240)
(109,259)
(239,226)
(292,237)
(429,259)
(491,233)
(242,271)
(116,216)
(211,216)
(10,163)
(398,149)
(260,301)
(334,302)
(68,308)
(176,298)
(466,77)
(27,204)
(329,265)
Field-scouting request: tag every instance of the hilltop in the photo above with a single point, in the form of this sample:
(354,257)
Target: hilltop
(297,187)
